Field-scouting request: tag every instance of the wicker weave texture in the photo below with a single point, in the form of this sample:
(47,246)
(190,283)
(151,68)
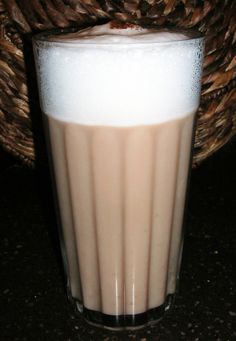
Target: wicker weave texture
(20,18)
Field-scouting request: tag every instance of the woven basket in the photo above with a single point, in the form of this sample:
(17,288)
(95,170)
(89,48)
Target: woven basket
(20,18)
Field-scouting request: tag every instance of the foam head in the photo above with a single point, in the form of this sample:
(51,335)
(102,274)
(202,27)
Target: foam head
(119,75)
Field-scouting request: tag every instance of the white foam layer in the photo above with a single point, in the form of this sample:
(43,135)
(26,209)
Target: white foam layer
(121,77)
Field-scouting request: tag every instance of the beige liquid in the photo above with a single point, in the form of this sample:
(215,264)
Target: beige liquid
(121,193)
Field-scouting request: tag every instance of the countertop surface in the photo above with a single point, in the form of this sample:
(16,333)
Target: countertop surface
(33,302)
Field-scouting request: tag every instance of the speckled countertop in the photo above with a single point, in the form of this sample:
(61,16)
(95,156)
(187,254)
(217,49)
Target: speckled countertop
(33,303)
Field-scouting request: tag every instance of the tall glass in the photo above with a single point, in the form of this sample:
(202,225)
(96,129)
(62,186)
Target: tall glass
(120,121)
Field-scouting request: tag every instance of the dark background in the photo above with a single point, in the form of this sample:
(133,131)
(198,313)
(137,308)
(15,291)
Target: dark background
(33,303)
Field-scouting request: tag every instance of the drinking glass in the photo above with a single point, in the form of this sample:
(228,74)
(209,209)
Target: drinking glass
(119,119)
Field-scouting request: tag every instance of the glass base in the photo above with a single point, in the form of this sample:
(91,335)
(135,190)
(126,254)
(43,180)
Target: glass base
(122,322)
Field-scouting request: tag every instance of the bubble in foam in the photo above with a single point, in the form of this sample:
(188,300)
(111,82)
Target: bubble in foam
(119,76)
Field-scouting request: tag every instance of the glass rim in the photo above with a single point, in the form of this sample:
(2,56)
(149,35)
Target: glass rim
(43,38)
